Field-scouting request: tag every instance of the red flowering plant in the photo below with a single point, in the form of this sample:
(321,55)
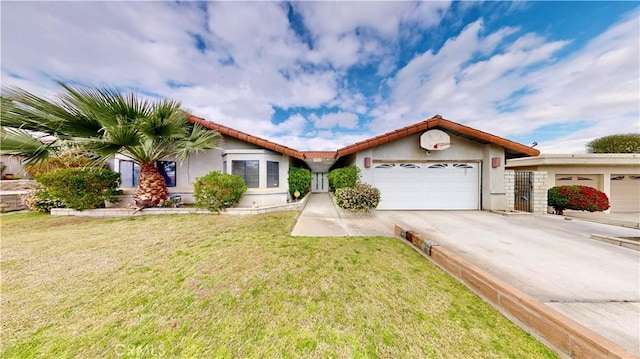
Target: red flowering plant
(580,198)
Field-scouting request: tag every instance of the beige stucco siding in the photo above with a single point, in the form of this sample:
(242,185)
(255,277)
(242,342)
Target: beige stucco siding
(462,150)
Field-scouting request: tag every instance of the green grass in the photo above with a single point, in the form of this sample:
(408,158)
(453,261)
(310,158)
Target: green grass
(232,287)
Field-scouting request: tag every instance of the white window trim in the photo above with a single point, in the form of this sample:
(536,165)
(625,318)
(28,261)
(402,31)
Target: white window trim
(262,156)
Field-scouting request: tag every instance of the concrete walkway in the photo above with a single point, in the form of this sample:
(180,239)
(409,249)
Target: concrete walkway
(321,218)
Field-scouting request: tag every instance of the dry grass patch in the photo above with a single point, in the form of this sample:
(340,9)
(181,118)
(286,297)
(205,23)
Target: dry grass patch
(229,287)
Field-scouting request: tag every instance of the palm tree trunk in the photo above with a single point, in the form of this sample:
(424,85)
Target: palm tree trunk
(152,189)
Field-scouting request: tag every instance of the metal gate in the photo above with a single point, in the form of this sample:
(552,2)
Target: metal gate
(522,191)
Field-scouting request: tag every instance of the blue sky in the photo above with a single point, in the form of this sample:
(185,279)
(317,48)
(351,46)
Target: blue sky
(322,75)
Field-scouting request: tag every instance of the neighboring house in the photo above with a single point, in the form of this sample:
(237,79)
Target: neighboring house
(617,175)
(14,166)
(463,169)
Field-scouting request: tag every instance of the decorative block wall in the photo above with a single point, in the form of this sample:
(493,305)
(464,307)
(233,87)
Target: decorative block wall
(539,193)
(509,188)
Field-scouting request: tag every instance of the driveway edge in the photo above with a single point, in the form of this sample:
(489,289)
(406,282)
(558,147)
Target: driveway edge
(567,335)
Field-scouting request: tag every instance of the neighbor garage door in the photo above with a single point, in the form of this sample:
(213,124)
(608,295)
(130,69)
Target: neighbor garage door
(427,186)
(581,180)
(625,193)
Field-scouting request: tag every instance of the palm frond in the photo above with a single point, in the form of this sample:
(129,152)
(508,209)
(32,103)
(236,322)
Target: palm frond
(22,109)
(16,141)
(199,139)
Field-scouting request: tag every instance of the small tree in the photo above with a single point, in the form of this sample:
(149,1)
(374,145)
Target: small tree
(215,191)
(621,143)
(580,198)
(343,177)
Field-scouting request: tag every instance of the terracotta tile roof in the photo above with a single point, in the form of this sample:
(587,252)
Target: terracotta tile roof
(228,131)
(513,148)
(320,154)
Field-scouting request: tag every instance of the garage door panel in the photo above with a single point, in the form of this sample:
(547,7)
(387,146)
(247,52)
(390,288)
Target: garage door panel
(428,186)
(625,193)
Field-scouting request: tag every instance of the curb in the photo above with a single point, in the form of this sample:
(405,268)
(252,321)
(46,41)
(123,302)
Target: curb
(565,334)
(613,222)
(620,242)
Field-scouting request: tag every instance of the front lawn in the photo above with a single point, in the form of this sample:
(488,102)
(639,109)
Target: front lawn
(202,286)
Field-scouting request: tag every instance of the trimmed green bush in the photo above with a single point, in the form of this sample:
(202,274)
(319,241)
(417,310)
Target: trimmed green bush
(82,188)
(580,198)
(215,191)
(343,177)
(299,180)
(40,200)
(362,197)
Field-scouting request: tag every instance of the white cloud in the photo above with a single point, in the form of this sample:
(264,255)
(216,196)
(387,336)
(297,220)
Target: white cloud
(522,85)
(337,119)
(502,81)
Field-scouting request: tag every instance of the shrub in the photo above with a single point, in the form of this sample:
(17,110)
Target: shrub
(299,180)
(82,188)
(343,177)
(362,197)
(580,198)
(216,190)
(40,200)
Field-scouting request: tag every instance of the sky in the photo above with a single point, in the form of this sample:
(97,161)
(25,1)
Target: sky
(323,75)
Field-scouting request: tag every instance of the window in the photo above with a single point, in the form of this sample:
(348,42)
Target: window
(408,165)
(273,174)
(168,170)
(386,165)
(129,173)
(248,170)
(565,179)
(224,167)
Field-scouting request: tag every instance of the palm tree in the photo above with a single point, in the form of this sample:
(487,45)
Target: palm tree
(102,122)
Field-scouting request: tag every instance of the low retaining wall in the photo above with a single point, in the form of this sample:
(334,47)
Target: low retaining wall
(567,335)
(10,193)
(123,212)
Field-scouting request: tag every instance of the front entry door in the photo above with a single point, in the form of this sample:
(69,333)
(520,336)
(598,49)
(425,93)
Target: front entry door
(319,182)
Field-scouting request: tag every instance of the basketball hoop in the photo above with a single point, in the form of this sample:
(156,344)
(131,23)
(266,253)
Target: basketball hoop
(435,140)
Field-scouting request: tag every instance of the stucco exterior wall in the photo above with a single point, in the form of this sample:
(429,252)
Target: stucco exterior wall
(408,148)
(199,164)
(493,190)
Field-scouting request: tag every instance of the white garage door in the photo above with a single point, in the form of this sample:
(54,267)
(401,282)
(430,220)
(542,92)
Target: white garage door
(430,186)
(579,180)
(625,193)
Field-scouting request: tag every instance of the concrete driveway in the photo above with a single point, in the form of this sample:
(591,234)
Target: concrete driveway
(549,258)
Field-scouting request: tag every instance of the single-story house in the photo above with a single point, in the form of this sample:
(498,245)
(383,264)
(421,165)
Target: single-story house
(435,164)
(617,175)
